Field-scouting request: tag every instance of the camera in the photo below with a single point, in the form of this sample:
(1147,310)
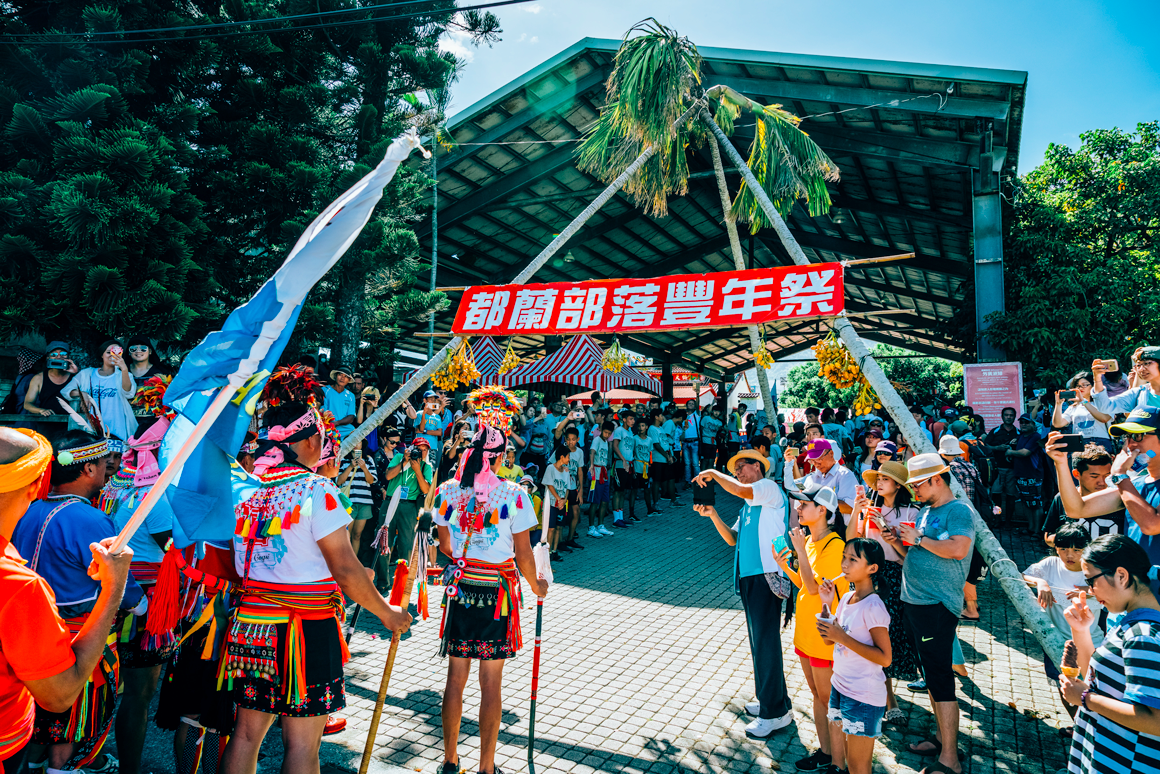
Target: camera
(60,365)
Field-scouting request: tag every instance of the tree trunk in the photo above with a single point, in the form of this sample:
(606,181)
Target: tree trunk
(423,374)
(1002,567)
(349,311)
(739,264)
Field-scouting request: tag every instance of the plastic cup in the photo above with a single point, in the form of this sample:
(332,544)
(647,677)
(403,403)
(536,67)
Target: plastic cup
(906,524)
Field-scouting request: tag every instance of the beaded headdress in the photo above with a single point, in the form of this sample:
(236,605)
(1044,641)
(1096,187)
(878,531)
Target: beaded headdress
(495,407)
(87,452)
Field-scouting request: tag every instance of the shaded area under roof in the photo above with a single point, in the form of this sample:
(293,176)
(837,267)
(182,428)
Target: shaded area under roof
(907,165)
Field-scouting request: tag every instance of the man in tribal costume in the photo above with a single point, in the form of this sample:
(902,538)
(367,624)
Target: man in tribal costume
(55,535)
(483,523)
(285,650)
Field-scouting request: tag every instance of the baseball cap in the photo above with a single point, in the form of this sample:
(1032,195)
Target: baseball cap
(886,447)
(1145,419)
(58,345)
(959,428)
(1149,353)
(430,394)
(421,441)
(1025,418)
(818,447)
(824,496)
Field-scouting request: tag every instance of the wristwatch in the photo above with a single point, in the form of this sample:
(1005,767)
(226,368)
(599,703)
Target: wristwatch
(1116,478)
(918,541)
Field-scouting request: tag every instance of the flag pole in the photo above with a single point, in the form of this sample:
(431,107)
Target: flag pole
(220,401)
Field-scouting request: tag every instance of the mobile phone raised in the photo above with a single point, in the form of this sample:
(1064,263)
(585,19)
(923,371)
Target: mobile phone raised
(1073,442)
(780,544)
(705,495)
(1068,394)
(1111,365)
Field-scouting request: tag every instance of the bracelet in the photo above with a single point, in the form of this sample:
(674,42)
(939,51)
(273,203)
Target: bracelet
(1083,699)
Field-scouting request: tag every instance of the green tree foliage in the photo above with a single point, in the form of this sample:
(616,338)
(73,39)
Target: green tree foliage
(153,186)
(1081,258)
(99,232)
(919,380)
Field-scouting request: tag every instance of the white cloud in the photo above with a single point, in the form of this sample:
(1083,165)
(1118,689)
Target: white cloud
(458,43)
(523,37)
(533,8)
(534,39)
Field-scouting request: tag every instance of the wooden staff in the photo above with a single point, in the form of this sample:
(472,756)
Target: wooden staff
(395,636)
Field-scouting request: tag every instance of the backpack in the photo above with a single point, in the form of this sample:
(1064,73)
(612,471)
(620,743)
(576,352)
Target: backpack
(536,445)
(982,462)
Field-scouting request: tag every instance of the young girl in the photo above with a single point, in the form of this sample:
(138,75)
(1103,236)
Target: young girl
(643,450)
(860,634)
(893,506)
(1118,724)
(820,559)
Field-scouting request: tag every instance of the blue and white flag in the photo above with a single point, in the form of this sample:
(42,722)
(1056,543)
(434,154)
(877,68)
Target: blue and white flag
(244,353)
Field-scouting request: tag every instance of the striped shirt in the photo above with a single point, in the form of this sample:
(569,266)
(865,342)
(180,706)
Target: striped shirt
(360,490)
(1126,667)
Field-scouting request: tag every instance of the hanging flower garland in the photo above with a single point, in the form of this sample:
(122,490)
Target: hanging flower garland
(837,366)
(458,369)
(510,360)
(762,357)
(614,358)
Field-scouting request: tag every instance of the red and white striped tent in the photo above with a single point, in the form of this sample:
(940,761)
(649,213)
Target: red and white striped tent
(488,358)
(577,363)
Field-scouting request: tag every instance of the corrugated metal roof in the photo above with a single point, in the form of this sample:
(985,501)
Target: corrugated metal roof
(906,187)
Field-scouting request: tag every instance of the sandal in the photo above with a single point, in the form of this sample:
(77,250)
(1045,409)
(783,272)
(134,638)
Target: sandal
(936,750)
(939,768)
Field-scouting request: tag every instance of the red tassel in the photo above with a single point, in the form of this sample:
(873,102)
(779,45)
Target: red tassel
(423,600)
(331,503)
(165,604)
(45,483)
(399,584)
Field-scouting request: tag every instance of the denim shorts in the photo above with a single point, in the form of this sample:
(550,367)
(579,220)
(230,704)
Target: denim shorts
(858,719)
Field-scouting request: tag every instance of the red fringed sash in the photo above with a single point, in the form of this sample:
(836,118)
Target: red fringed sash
(505,577)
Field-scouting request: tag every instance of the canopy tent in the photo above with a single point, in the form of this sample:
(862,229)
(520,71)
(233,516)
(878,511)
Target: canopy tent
(488,357)
(577,363)
(681,395)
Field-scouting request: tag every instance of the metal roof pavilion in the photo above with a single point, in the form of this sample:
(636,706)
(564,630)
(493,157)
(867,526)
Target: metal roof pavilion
(921,149)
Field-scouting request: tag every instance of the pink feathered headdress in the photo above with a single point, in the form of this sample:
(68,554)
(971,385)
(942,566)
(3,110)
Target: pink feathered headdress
(475,467)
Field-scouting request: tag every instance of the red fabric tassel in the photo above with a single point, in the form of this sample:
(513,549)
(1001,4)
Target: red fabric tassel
(399,584)
(165,604)
(423,599)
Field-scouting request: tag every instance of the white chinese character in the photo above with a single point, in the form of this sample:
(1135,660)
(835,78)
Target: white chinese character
(795,292)
(636,304)
(533,309)
(580,308)
(688,303)
(486,310)
(748,295)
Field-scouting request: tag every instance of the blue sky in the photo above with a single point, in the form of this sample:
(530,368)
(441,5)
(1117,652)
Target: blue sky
(1090,64)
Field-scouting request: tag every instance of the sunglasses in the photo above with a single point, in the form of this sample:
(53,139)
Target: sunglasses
(1138,436)
(138,348)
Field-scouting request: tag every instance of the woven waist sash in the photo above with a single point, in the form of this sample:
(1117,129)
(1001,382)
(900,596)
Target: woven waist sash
(505,577)
(92,712)
(252,644)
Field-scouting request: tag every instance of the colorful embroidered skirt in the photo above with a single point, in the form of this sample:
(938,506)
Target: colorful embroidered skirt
(325,690)
(472,630)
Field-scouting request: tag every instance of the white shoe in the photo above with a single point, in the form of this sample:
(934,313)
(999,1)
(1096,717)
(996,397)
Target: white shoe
(592,533)
(753,708)
(763,727)
(603,530)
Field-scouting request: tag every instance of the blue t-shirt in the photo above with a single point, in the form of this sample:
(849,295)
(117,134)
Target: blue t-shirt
(342,405)
(1150,491)
(429,422)
(64,552)
(760,521)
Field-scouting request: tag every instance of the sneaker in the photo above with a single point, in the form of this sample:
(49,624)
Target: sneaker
(603,530)
(917,685)
(574,544)
(620,524)
(565,548)
(753,708)
(110,766)
(555,556)
(763,727)
(815,761)
(450,768)
(635,518)
(833,769)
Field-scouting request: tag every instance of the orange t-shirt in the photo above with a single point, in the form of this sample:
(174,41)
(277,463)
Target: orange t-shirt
(34,644)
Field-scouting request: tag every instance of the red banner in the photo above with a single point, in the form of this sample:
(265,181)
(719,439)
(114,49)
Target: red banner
(720,300)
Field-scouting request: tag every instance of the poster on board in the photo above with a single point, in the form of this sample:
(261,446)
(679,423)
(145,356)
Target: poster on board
(990,387)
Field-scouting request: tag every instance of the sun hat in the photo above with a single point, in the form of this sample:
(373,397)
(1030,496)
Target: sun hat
(340,370)
(824,496)
(924,466)
(895,471)
(1145,419)
(818,447)
(885,447)
(747,454)
(527,480)
(948,446)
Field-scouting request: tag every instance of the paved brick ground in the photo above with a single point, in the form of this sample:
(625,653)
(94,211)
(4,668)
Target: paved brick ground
(646,668)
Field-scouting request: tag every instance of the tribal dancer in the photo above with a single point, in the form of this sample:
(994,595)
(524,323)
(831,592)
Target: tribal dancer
(55,535)
(145,643)
(41,662)
(483,524)
(285,650)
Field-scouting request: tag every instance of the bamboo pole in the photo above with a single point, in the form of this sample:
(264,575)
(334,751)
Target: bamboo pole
(739,263)
(389,666)
(1002,567)
(421,376)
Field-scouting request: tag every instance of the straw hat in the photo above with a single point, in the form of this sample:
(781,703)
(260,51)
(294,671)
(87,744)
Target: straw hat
(749,454)
(895,471)
(924,466)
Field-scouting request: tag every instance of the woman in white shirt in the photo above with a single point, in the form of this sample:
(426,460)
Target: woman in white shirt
(1082,415)
(106,392)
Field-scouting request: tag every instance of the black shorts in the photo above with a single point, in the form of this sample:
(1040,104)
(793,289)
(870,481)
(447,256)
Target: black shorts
(573,498)
(932,628)
(556,516)
(624,480)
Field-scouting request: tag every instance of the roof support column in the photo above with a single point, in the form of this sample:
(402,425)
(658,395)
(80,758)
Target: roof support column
(988,238)
(667,379)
